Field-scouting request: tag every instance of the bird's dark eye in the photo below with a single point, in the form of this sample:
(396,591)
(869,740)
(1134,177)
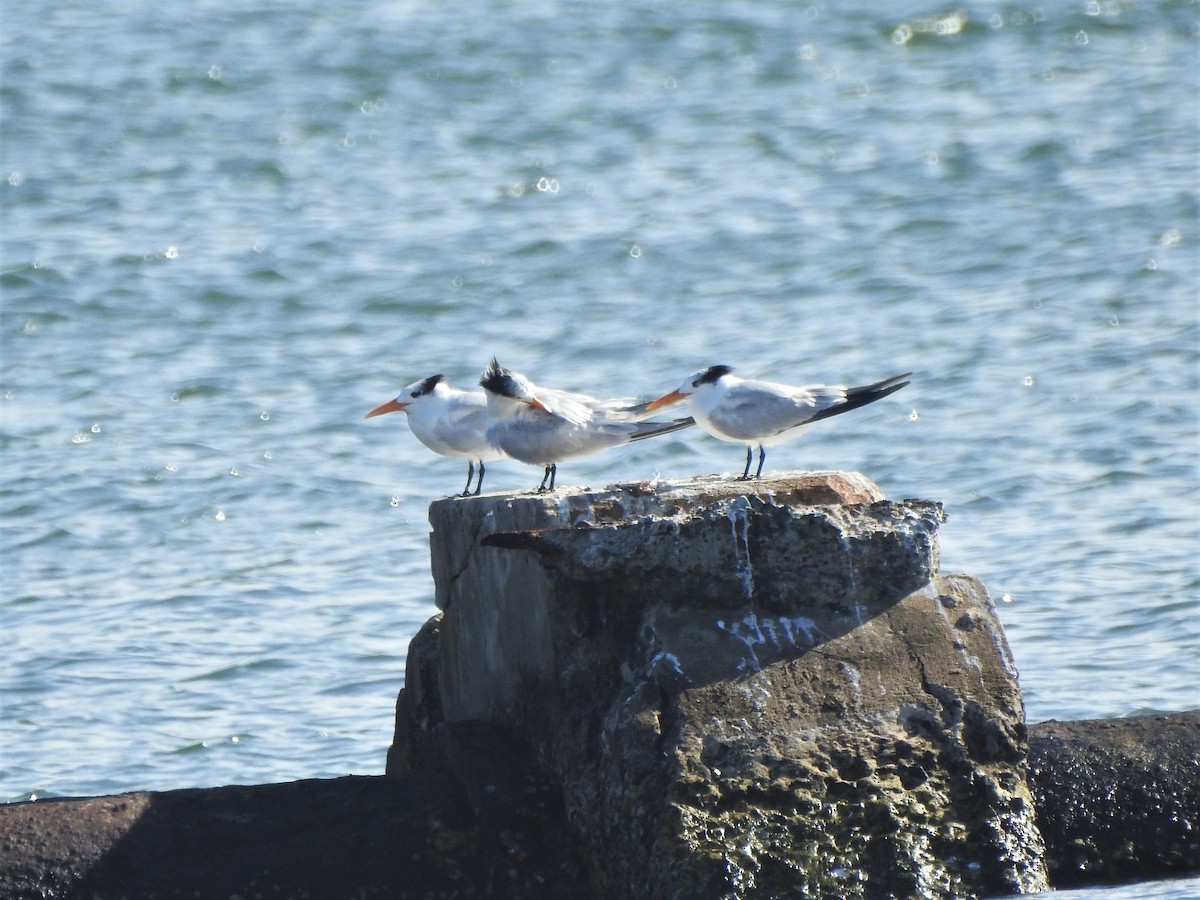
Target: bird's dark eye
(696,383)
(416,394)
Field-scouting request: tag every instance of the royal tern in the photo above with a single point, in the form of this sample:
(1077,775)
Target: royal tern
(447,421)
(762,413)
(541,426)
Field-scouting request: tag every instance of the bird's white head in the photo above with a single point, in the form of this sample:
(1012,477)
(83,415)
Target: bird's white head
(691,384)
(410,395)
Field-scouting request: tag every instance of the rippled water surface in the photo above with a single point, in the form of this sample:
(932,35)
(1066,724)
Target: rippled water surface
(230,231)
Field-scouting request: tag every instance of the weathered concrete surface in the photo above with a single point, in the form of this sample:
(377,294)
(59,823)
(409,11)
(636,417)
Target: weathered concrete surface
(1118,799)
(742,689)
(499,630)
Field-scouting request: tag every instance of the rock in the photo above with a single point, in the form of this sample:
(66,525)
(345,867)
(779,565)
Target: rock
(1118,799)
(741,689)
(436,835)
(357,837)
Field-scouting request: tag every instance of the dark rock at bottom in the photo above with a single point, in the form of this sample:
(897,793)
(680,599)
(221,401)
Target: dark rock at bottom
(1117,800)
(353,837)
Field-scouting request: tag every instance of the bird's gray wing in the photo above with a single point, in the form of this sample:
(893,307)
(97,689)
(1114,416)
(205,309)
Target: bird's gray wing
(756,410)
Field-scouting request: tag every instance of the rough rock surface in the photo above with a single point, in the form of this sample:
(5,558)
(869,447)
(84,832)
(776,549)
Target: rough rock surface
(1118,799)
(741,689)
(492,827)
(348,837)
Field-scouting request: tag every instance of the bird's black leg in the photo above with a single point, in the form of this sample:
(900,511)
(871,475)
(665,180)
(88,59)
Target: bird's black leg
(479,484)
(470,475)
(746,472)
(546,476)
(553,473)
(762,454)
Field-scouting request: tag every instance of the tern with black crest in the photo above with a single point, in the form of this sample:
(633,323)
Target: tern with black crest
(542,426)
(448,421)
(762,413)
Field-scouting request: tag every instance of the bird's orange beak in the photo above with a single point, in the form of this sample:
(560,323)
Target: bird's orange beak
(665,400)
(390,406)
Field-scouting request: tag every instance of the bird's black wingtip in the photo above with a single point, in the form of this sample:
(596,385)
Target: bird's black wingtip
(887,386)
(868,393)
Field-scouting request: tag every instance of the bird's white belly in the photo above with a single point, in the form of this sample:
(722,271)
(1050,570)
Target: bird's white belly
(460,438)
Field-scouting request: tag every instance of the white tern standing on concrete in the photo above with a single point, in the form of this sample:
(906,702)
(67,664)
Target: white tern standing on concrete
(447,421)
(763,413)
(541,426)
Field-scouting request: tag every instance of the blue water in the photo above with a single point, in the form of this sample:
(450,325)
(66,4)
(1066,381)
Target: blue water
(229,231)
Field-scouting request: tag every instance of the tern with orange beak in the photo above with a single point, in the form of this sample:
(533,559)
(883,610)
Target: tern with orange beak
(541,426)
(763,413)
(448,421)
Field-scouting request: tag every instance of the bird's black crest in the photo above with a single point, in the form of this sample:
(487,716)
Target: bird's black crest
(711,374)
(497,379)
(428,385)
